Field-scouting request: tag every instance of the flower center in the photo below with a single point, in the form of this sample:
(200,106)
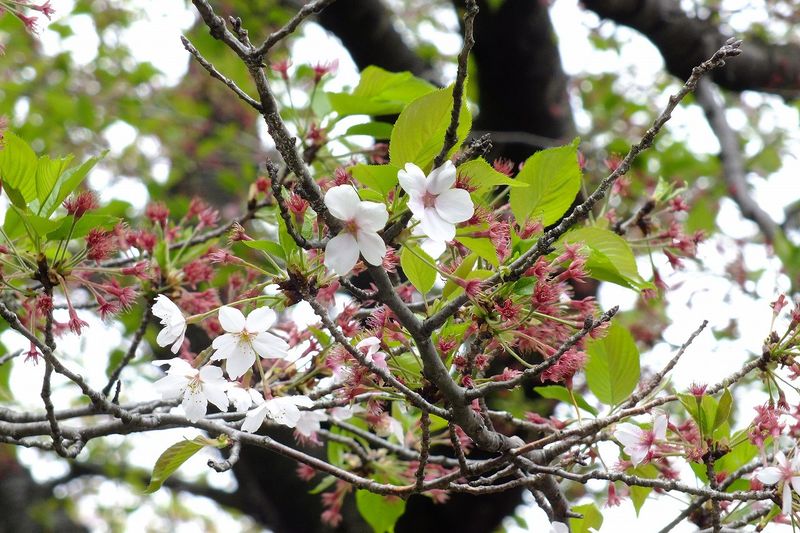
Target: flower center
(351,226)
(429,199)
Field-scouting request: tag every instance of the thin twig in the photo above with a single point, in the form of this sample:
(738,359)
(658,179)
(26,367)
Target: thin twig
(451,135)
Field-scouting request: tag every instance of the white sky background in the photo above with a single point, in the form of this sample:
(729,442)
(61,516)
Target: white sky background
(154,38)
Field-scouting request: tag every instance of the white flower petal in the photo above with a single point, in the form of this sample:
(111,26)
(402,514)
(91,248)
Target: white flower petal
(171,386)
(659,425)
(442,178)
(254,418)
(436,227)
(769,475)
(628,434)
(164,308)
(455,206)
(270,346)
(194,403)
(371,216)
(224,346)
(341,254)
(342,201)
(371,246)
(240,360)
(433,248)
(412,179)
(231,319)
(240,399)
(309,422)
(558,527)
(417,206)
(260,319)
(787,500)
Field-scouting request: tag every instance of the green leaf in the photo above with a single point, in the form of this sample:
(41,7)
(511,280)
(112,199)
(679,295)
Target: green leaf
(66,184)
(420,273)
(418,134)
(610,257)
(466,266)
(592,518)
(174,456)
(482,246)
(483,176)
(723,409)
(380,92)
(639,494)
(5,378)
(379,130)
(18,164)
(554,177)
(40,225)
(82,227)
(557,392)
(47,173)
(381,178)
(380,512)
(612,371)
(269,247)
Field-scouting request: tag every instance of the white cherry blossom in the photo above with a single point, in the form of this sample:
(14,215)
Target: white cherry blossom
(638,442)
(434,201)
(370,348)
(359,234)
(558,527)
(196,387)
(246,338)
(786,471)
(173,321)
(283,410)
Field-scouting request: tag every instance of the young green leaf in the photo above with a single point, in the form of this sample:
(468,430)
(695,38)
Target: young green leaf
(612,371)
(18,163)
(380,512)
(592,518)
(420,272)
(174,456)
(482,246)
(482,175)
(418,134)
(66,183)
(554,179)
(557,392)
(610,257)
(381,178)
(380,92)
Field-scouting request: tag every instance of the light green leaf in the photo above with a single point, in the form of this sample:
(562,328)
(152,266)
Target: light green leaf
(418,134)
(269,247)
(724,408)
(610,257)
(483,176)
(419,272)
(639,494)
(612,371)
(174,456)
(47,173)
(379,130)
(482,246)
(66,184)
(82,227)
(466,266)
(381,178)
(379,92)
(557,392)
(380,512)
(592,518)
(18,164)
(554,178)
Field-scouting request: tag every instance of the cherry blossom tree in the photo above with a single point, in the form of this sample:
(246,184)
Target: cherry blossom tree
(442,281)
